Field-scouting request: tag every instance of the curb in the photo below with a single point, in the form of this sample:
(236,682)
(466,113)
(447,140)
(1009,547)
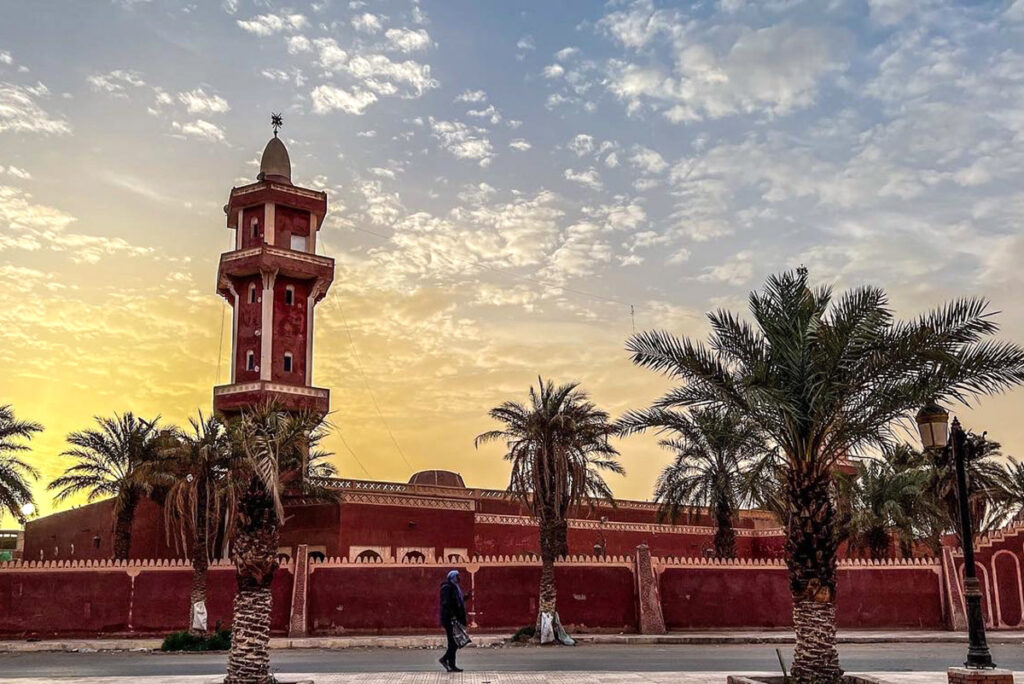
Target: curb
(502,640)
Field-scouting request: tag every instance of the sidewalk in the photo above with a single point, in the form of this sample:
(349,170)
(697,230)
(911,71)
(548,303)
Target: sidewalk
(501,640)
(494,678)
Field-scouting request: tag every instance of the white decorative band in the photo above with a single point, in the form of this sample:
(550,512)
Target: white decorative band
(650,528)
(238,388)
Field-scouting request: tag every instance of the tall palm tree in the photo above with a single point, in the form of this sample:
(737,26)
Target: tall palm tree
(824,377)
(192,465)
(266,443)
(15,490)
(713,447)
(558,447)
(110,461)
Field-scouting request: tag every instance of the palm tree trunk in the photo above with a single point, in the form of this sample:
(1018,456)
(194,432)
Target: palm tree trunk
(200,563)
(254,550)
(725,536)
(811,545)
(123,525)
(552,536)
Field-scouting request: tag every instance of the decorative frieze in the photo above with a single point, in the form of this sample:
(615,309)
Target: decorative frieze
(611,526)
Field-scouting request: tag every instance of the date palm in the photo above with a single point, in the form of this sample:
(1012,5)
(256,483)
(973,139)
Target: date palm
(266,442)
(886,503)
(986,485)
(558,446)
(825,376)
(1013,490)
(15,489)
(712,446)
(193,465)
(111,461)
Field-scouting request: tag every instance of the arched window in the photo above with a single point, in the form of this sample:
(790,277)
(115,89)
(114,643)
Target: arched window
(255,227)
(368,556)
(414,557)
(252,293)
(289,295)
(250,360)
(287,362)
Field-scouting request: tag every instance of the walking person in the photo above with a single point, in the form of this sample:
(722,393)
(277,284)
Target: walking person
(453,618)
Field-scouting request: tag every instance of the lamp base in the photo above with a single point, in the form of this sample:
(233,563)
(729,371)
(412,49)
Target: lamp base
(970,675)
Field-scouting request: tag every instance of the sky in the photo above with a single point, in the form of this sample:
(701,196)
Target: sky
(514,188)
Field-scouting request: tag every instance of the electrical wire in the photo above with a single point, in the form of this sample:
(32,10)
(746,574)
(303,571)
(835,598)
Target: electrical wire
(362,374)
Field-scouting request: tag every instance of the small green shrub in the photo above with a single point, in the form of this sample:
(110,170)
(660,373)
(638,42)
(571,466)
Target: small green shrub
(219,640)
(524,633)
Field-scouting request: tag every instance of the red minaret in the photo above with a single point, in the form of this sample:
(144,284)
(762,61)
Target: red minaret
(273,279)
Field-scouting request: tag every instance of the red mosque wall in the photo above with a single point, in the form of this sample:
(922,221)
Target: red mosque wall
(149,597)
(889,596)
(119,599)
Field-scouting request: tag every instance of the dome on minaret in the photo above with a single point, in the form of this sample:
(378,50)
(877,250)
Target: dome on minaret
(275,165)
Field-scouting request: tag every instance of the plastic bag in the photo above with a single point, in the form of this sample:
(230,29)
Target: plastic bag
(199,616)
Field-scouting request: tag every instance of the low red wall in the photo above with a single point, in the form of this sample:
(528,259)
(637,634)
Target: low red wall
(589,597)
(366,599)
(357,598)
(867,597)
(120,600)
(593,595)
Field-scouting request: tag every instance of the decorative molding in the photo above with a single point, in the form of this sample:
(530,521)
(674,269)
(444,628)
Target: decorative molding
(135,564)
(474,562)
(754,563)
(611,526)
(374,499)
(264,386)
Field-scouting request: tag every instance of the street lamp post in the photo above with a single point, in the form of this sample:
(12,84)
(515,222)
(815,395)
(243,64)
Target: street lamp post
(932,423)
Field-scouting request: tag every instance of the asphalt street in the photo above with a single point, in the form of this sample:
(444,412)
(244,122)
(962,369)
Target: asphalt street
(683,658)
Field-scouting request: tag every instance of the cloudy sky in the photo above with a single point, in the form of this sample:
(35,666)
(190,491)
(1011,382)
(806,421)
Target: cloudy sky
(508,181)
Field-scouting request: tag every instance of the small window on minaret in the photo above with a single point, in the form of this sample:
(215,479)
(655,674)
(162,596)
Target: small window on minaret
(255,227)
(252,293)
(287,362)
(289,295)
(250,361)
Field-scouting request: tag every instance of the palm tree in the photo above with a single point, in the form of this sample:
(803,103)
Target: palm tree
(885,502)
(824,377)
(15,490)
(193,465)
(111,461)
(558,446)
(986,480)
(266,442)
(712,448)
(1013,489)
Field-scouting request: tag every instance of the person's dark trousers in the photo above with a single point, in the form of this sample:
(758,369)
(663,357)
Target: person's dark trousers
(449,655)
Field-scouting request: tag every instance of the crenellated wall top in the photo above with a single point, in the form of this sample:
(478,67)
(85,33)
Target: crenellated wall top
(109,564)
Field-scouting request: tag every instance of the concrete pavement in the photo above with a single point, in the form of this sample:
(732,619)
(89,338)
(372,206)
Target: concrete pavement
(494,678)
(599,660)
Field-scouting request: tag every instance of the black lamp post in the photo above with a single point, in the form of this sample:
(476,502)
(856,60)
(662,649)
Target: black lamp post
(932,422)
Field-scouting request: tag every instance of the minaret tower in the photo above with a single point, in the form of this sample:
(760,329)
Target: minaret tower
(273,280)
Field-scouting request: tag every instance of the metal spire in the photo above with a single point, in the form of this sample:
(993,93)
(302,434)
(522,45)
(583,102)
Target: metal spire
(276,121)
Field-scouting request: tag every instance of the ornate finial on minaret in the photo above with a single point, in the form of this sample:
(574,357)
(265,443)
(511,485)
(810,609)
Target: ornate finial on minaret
(276,121)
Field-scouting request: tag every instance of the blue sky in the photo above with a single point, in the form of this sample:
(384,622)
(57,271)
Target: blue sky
(505,180)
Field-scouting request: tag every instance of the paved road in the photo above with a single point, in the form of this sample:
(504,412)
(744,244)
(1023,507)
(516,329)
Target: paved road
(874,657)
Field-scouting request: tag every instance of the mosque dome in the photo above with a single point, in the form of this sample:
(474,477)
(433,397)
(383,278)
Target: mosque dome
(439,478)
(275,165)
